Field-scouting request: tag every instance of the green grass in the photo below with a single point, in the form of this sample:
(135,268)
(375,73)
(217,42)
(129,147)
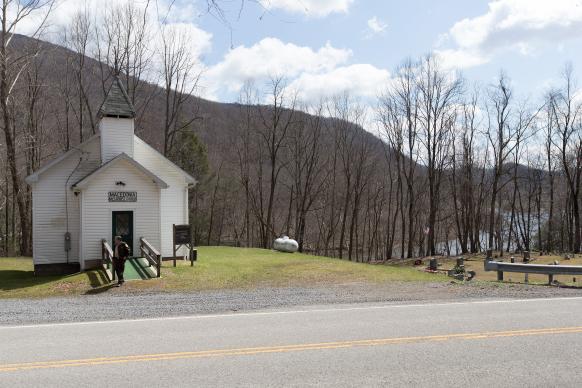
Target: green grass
(17,280)
(216,268)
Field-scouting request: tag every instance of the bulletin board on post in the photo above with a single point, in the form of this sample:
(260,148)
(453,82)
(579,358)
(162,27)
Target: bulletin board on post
(182,235)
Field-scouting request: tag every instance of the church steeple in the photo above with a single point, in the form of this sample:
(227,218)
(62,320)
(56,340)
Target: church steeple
(117,102)
(116,123)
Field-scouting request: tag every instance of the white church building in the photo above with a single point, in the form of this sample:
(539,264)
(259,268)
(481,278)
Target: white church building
(112,184)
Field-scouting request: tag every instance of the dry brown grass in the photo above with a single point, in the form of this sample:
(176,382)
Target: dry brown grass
(474,262)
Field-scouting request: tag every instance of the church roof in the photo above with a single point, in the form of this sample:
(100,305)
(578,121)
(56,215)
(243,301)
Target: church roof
(117,102)
(84,182)
(78,149)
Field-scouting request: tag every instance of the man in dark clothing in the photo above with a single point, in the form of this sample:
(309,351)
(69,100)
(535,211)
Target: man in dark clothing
(120,254)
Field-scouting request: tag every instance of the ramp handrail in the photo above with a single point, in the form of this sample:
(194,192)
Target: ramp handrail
(151,255)
(543,269)
(107,260)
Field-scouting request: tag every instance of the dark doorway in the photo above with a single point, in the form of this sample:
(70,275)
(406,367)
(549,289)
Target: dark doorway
(122,225)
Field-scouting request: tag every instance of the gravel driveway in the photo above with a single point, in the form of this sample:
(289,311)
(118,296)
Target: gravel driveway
(121,304)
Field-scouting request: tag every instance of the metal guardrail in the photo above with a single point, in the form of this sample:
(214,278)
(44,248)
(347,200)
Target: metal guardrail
(542,269)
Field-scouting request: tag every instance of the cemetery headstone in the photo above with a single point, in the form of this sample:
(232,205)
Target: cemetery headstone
(433,264)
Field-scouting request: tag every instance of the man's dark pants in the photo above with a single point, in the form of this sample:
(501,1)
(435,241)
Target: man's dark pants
(119,267)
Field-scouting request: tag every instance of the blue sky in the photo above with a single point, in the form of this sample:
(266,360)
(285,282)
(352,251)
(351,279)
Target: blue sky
(530,40)
(327,47)
(412,27)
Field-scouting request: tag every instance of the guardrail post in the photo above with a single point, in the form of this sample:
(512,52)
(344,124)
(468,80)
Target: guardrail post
(500,276)
(550,279)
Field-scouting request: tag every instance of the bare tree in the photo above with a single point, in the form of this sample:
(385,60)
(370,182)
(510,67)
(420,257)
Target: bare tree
(462,174)
(242,144)
(502,138)
(276,120)
(180,83)
(306,166)
(402,127)
(11,67)
(439,94)
(509,125)
(123,46)
(551,169)
(78,38)
(565,113)
(393,134)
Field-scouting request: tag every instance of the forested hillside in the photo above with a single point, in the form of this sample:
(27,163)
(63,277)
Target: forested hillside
(451,167)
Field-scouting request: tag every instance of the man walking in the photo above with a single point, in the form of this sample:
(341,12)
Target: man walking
(120,254)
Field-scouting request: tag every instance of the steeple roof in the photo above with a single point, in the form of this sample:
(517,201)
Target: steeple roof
(117,102)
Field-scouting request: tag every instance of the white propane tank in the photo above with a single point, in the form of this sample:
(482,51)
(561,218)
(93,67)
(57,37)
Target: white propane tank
(285,244)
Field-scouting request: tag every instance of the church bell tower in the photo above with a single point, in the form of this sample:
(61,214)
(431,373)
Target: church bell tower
(116,123)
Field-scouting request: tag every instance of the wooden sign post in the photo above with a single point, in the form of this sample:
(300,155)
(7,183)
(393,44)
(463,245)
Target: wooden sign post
(183,237)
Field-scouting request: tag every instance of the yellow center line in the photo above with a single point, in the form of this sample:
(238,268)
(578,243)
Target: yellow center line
(281,348)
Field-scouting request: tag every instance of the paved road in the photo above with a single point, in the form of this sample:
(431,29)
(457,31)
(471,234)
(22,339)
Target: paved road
(536,342)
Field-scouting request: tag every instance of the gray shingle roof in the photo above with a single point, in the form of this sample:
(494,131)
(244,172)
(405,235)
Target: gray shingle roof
(117,103)
(123,156)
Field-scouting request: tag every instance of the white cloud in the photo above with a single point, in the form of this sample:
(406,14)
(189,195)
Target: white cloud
(312,73)
(184,11)
(361,80)
(451,59)
(525,26)
(271,57)
(376,27)
(316,8)
(197,40)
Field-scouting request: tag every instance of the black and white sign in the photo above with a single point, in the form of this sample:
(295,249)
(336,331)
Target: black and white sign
(182,234)
(123,196)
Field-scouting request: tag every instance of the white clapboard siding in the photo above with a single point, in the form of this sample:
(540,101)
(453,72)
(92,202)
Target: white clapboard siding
(97,210)
(173,201)
(49,213)
(88,214)
(116,137)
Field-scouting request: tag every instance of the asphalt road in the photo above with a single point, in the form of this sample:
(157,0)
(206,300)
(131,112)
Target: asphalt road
(535,342)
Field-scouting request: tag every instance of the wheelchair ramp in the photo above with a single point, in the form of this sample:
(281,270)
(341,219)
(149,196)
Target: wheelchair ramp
(138,268)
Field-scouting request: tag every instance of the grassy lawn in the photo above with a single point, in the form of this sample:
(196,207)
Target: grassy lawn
(17,280)
(217,268)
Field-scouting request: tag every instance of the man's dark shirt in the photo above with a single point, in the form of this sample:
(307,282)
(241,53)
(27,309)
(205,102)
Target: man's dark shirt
(122,250)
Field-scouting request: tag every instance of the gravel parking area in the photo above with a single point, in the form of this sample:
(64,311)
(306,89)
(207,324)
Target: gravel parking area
(121,304)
